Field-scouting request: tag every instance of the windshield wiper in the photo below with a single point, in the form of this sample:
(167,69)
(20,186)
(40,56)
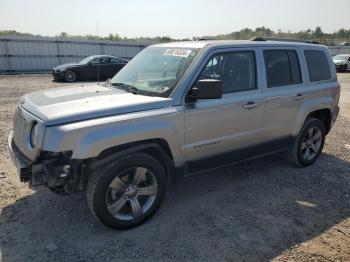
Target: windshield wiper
(129,88)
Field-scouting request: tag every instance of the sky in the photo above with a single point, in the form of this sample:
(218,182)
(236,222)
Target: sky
(176,18)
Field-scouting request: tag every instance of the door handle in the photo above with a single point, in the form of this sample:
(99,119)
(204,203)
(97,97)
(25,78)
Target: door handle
(298,97)
(251,105)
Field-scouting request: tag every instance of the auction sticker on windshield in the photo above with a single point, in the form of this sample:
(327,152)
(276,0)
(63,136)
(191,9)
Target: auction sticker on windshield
(178,52)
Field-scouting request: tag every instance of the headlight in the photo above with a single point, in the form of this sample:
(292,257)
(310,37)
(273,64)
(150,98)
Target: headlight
(34,135)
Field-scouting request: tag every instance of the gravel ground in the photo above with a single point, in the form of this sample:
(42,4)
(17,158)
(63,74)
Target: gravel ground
(256,211)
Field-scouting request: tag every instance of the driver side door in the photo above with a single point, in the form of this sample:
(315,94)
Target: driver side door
(89,71)
(215,127)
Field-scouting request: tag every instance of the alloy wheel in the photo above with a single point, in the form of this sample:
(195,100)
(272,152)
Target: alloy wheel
(132,193)
(311,143)
(70,76)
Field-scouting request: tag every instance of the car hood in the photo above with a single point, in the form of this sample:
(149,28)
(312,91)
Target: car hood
(335,61)
(69,104)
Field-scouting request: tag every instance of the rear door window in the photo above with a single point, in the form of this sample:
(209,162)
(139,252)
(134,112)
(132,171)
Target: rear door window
(282,68)
(317,65)
(294,67)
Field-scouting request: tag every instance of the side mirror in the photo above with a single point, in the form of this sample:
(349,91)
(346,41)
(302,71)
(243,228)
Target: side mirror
(206,89)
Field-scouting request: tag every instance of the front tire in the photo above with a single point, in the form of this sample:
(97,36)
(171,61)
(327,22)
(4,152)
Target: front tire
(70,76)
(127,191)
(309,143)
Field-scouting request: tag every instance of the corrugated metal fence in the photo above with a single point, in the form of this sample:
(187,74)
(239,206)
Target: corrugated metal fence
(335,50)
(41,54)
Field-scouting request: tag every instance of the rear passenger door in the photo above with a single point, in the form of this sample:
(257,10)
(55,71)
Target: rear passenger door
(285,91)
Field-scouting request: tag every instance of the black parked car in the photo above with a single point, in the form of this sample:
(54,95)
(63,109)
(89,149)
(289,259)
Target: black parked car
(97,67)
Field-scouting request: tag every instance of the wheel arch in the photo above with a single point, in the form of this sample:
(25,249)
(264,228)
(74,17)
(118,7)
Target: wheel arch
(318,108)
(325,115)
(158,148)
(76,71)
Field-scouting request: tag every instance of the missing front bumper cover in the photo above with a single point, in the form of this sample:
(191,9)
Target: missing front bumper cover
(54,170)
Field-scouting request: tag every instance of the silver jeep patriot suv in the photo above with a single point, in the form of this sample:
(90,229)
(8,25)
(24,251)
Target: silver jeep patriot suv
(174,110)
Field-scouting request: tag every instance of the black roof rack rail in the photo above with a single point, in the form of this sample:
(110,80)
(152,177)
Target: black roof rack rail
(283,40)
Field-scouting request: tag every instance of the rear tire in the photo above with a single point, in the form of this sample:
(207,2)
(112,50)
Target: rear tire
(309,143)
(127,191)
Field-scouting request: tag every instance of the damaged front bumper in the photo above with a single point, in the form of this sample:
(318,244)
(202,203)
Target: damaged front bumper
(57,171)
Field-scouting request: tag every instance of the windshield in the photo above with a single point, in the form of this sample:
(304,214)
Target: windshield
(155,70)
(340,57)
(86,60)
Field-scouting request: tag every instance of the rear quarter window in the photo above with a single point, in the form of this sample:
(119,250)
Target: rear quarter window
(317,65)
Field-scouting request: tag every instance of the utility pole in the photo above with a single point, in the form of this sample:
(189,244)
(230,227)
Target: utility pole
(98,64)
